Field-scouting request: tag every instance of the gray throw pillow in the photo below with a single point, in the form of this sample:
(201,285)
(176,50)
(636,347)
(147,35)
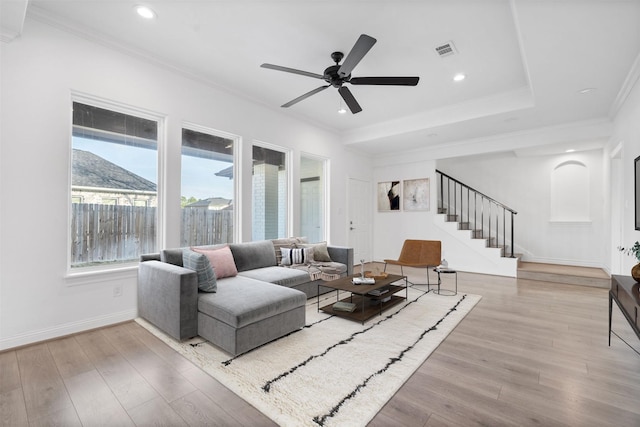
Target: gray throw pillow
(320,251)
(199,263)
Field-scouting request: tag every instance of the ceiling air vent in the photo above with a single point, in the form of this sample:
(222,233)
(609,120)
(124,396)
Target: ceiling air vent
(445,49)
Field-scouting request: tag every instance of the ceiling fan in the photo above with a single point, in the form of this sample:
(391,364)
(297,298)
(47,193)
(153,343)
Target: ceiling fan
(337,75)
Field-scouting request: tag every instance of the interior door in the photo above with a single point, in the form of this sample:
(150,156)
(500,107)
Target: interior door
(359,219)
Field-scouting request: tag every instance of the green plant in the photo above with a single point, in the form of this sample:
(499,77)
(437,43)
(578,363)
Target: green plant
(635,250)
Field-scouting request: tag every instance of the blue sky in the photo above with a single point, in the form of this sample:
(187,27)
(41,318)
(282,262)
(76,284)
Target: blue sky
(198,175)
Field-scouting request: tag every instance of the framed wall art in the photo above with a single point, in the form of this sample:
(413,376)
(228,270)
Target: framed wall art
(388,196)
(415,194)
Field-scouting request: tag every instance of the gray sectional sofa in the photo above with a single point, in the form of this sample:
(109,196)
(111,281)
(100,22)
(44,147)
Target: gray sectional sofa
(264,301)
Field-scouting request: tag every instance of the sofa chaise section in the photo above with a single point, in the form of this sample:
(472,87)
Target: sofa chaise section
(245,313)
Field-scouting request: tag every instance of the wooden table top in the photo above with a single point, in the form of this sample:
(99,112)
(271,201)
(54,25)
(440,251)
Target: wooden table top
(345,284)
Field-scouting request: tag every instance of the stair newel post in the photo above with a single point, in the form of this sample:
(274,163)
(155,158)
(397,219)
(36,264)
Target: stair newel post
(475,213)
(497,225)
(455,198)
(468,207)
(504,231)
(512,236)
(489,220)
(481,216)
(441,197)
(448,196)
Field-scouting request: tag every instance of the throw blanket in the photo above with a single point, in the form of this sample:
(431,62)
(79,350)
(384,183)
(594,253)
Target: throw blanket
(318,270)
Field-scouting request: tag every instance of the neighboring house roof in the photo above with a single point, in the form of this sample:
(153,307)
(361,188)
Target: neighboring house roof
(216,203)
(226,172)
(90,170)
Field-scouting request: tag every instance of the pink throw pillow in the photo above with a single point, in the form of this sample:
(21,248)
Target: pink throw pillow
(221,260)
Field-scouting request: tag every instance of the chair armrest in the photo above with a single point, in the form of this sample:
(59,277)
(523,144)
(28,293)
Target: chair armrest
(342,254)
(168,298)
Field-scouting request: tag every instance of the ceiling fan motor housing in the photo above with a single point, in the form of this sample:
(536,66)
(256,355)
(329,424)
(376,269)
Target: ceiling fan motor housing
(331,75)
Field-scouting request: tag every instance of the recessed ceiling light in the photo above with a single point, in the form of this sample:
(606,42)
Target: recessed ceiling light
(586,90)
(342,110)
(145,11)
(459,77)
(570,150)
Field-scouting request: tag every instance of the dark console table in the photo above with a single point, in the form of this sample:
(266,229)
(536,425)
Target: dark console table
(625,291)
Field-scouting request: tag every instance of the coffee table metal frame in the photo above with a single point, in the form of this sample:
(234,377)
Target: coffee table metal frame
(359,294)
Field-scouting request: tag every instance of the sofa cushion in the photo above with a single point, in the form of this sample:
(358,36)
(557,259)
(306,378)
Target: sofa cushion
(252,255)
(221,259)
(288,242)
(279,275)
(200,264)
(292,256)
(241,301)
(174,255)
(320,251)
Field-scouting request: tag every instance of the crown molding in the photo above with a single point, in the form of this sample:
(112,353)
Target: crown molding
(12,15)
(628,85)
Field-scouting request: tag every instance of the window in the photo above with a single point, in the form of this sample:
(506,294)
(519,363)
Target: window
(207,188)
(113,186)
(312,198)
(269,196)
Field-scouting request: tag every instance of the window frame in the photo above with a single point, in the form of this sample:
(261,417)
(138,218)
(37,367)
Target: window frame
(237,176)
(91,274)
(326,162)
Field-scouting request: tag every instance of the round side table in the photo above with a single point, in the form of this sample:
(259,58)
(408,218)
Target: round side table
(441,291)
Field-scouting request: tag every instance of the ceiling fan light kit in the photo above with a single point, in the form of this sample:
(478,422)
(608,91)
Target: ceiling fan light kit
(337,75)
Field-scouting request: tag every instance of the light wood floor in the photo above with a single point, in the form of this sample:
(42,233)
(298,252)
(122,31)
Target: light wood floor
(530,354)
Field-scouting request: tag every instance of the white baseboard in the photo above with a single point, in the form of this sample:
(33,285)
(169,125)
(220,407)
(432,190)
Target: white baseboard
(67,329)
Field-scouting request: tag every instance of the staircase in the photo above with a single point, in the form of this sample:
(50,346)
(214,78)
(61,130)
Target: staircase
(488,227)
(486,219)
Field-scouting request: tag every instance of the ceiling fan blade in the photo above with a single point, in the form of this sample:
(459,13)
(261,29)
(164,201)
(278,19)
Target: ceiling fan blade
(292,70)
(393,81)
(305,96)
(359,50)
(349,100)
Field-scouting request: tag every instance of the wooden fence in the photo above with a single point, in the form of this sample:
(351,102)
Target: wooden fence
(103,234)
(206,227)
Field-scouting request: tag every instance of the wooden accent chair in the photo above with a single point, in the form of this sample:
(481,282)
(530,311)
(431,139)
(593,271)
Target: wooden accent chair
(418,254)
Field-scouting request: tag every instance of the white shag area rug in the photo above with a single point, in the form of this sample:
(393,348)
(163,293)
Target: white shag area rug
(333,372)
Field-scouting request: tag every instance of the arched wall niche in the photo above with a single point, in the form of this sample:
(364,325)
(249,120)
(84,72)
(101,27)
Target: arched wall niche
(570,192)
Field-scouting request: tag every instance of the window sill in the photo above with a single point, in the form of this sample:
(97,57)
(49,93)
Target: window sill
(79,277)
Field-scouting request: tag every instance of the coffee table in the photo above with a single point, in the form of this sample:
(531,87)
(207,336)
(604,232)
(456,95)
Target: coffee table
(367,305)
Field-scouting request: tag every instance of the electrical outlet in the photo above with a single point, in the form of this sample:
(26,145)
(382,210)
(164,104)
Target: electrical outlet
(117,291)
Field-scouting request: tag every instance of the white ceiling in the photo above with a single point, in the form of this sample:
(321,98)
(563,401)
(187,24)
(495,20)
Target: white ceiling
(525,60)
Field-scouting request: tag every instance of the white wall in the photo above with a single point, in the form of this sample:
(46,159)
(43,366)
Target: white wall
(627,135)
(39,71)
(524,184)
(392,228)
